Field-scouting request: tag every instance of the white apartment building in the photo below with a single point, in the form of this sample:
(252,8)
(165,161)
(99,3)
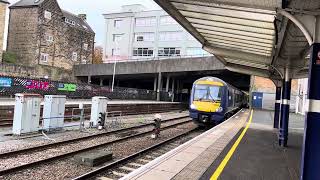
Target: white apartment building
(135,33)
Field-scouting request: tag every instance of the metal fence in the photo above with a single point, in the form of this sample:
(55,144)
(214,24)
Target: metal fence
(151,58)
(9,86)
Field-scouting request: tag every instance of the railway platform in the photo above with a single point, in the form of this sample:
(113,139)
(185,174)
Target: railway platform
(244,147)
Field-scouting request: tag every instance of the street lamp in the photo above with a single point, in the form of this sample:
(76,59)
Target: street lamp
(114,66)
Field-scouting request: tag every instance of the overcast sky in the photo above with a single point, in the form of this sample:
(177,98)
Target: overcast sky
(95,8)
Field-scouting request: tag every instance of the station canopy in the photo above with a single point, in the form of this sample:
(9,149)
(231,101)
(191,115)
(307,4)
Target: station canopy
(248,36)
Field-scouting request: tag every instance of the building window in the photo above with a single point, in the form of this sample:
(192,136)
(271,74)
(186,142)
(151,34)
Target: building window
(117,37)
(49,38)
(116,52)
(85,46)
(167,20)
(69,21)
(170,36)
(44,57)
(74,56)
(145,21)
(117,23)
(142,52)
(83,61)
(47,14)
(196,51)
(144,36)
(169,52)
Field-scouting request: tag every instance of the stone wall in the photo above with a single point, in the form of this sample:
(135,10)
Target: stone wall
(22,35)
(3,7)
(53,73)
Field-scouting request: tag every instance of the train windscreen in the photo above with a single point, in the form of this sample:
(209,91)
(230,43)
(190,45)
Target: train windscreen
(207,93)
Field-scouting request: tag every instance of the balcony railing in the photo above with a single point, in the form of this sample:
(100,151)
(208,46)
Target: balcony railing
(141,58)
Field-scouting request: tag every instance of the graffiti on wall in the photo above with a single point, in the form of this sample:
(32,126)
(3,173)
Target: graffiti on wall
(67,87)
(34,84)
(5,82)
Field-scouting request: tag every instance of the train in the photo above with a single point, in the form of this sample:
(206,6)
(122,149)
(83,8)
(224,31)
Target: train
(212,101)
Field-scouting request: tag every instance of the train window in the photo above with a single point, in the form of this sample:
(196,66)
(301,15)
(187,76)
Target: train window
(205,92)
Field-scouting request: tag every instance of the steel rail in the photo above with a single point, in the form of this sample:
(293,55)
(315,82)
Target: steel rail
(129,158)
(35,163)
(82,138)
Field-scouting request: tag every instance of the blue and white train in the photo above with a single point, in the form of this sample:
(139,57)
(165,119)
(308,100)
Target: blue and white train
(213,100)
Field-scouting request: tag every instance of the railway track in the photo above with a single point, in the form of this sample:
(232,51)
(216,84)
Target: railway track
(73,152)
(124,166)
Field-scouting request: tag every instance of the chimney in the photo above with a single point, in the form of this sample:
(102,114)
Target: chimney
(83,17)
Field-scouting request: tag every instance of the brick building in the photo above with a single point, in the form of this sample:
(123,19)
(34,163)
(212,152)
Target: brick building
(3,9)
(41,33)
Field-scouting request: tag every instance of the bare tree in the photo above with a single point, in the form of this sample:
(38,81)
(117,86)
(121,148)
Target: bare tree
(97,56)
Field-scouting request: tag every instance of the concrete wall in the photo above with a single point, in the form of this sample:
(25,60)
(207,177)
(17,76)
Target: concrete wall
(145,67)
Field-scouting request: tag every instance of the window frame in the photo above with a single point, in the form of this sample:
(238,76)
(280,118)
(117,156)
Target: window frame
(114,50)
(74,56)
(148,21)
(167,51)
(143,52)
(85,46)
(44,57)
(118,36)
(117,25)
(47,15)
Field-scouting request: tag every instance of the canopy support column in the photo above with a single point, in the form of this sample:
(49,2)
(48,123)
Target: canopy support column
(277,108)
(285,107)
(311,148)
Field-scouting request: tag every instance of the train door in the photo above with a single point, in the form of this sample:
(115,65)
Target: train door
(257,100)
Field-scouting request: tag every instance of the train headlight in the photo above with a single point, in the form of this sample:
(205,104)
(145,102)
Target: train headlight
(192,106)
(220,109)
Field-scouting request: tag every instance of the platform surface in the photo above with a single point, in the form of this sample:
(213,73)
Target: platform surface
(257,155)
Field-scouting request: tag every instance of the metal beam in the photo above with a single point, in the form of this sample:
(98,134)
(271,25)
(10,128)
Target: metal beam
(297,22)
(241,44)
(227,7)
(209,31)
(239,27)
(236,40)
(235,54)
(216,18)
(238,14)
(240,38)
(247,70)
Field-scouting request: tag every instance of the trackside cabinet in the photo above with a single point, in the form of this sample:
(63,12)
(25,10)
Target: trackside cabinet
(99,105)
(26,113)
(53,111)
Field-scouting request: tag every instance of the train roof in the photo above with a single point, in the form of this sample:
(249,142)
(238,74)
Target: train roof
(215,79)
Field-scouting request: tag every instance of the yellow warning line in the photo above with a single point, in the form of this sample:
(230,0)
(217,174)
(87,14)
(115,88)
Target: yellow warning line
(224,162)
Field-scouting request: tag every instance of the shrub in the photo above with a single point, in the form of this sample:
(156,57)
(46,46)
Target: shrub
(9,57)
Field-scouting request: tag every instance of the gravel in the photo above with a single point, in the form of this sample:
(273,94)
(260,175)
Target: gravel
(128,121)
(67,168)
(32,156)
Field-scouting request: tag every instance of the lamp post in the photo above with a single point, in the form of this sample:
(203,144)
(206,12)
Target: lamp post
(114,66)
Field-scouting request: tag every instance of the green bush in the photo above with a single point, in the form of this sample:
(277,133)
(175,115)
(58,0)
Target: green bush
(9,57)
